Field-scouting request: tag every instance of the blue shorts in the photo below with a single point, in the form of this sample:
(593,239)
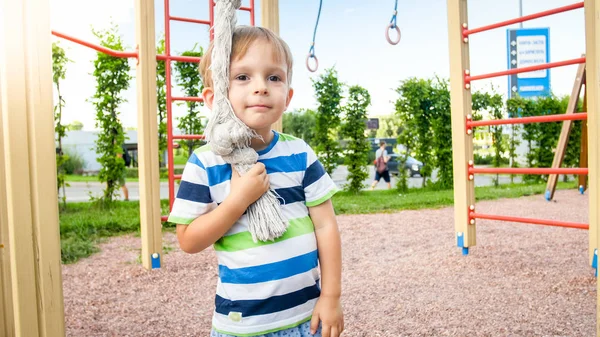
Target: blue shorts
(302,330)
(385,175)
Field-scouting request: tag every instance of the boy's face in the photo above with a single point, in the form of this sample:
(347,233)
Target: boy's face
(258,87)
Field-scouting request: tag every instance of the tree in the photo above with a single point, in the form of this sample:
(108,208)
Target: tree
(161,102)
(414,108)
(300,123)
(328,90)
(493,105)
(75,126)
(59,70)
(188,77)
(353,129)
(112,76)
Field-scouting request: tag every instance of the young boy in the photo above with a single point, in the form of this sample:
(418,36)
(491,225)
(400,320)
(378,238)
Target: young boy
(265,288)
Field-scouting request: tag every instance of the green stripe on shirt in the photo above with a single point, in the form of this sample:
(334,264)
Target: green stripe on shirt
(323,198)
(243,240)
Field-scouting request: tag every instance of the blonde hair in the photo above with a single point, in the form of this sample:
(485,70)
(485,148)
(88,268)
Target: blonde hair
(243,37)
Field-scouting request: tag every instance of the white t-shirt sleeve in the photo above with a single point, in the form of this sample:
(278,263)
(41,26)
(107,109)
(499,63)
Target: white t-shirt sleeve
(193,197)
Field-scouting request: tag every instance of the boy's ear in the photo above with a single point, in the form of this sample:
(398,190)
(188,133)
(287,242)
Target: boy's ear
(289,98)
(209,95)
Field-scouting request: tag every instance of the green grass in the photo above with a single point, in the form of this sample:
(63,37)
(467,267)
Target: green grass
(386,201)
(83,225)
(94,179)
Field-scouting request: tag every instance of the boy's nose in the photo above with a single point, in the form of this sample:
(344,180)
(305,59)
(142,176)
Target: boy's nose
(261,91)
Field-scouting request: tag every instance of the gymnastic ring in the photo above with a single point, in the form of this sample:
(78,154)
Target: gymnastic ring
(308,57)
(387,34)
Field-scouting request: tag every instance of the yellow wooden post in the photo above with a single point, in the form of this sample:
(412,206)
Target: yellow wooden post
(563,139)
(592,26)
(592,42)
(151,229)
(583,149)
(30,169)
(462,143)
(6,316)
(269,11)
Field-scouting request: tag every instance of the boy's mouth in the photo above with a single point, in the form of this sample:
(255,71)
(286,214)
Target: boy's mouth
(259,106)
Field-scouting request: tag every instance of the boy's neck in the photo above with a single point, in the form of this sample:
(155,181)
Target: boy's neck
(260,144)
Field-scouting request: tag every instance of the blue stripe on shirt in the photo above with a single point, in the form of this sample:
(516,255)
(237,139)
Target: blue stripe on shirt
(218,174)
(293,163)
(313,173)
(270,271)
(194,192)
(195,160)
(290,195)
(267,306)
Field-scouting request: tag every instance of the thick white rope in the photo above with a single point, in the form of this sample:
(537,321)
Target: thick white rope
(228,136)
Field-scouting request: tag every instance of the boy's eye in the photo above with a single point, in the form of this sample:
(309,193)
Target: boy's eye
(241,77)
(274,78)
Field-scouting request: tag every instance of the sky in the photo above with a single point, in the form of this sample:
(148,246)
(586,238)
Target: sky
(350,37)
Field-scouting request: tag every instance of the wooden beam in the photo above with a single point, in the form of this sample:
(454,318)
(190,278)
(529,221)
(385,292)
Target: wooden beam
(583,149)
(462,143)
(592,37)
(269,11)
(592,45)
(6,313)
(563,140)
(151,228)
(30,169)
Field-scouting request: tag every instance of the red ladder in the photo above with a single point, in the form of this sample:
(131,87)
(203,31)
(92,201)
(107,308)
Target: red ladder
(168,58)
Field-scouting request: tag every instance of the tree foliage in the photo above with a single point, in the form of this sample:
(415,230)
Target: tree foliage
(328,91)
(300,123)
(542,138)
(161,102)
(113,77)
(353,129)
(188,77)
(493,105)
(59,72)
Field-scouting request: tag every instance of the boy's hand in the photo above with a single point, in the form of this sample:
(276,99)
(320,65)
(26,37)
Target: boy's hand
(251,186)
(328,310)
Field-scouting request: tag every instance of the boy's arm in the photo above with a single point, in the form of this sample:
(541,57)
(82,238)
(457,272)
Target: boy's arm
(208,228)
(328,308)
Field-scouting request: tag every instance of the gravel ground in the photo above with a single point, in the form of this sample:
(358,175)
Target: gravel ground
(402,276)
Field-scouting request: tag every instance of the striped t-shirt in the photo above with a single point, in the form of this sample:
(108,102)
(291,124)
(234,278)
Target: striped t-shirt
(265,286)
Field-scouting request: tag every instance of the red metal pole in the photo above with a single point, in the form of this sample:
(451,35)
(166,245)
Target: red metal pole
(577,225)
(469,79)
(107,51)
(467,32)
(169,107)
(188,99)
(188,137)
(191,59)
(527,120)
(534,170)
(252,8)
(211,16)
(202,22)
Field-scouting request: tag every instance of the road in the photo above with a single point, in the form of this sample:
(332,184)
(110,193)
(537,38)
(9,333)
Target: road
(81,191)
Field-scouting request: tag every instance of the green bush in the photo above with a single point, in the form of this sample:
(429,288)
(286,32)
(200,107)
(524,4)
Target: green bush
(74,163)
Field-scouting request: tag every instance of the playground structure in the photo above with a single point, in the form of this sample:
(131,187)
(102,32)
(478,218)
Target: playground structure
(30,273)
(462,123)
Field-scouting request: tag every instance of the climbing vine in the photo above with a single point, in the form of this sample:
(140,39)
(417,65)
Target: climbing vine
(353,129)
(188,77)
(112,76)
(59,72)
(328,91)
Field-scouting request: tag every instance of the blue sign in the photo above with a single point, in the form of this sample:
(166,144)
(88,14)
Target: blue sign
(528,47)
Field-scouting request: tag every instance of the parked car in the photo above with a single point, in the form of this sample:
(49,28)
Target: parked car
(412,166)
